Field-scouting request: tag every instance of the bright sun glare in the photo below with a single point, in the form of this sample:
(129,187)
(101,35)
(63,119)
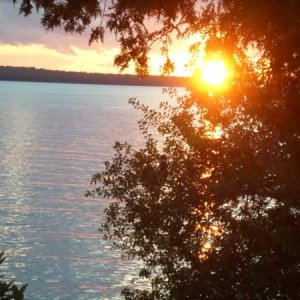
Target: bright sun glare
(214,72)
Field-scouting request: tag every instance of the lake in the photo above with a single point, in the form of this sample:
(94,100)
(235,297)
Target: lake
(53,137)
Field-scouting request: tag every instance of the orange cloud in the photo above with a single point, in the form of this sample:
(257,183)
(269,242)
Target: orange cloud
(81,60)
(39,56)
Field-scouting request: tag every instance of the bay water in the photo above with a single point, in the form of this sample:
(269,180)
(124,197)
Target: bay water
(53,137)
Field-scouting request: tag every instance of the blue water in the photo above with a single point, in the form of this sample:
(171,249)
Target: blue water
(53,137)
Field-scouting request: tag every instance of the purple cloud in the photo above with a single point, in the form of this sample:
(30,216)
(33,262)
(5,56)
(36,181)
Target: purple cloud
(16,29)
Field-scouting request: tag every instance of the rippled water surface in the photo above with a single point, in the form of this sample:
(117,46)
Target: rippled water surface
(53,137)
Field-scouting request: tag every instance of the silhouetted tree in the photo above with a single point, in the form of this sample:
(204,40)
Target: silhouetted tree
(210,204)
(8,290)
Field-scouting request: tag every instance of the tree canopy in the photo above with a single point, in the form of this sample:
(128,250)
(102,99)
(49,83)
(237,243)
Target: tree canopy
(210,204)
(269,24)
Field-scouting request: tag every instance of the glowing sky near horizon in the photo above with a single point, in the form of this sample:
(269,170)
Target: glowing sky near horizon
(25,43)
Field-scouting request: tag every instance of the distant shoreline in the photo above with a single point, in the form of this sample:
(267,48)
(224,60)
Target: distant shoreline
(26,74)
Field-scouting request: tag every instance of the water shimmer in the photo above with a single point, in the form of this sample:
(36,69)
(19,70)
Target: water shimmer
(53,137)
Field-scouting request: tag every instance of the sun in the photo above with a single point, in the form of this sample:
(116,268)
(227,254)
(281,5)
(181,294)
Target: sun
(214,72)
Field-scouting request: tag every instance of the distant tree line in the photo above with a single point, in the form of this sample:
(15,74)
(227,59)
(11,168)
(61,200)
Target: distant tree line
(42,75)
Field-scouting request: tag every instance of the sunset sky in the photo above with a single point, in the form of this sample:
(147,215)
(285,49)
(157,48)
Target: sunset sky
(23,42)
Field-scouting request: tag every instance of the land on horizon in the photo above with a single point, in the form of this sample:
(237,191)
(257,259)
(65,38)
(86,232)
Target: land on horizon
(8,73)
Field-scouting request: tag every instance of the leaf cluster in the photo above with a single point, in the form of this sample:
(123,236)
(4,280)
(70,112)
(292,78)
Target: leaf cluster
(211,218)
(8,290)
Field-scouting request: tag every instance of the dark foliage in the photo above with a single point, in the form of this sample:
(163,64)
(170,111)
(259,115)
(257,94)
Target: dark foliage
(268,23)
(8,290)
(210,204)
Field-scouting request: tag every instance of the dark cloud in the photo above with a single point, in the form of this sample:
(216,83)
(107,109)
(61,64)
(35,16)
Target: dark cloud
(16,29)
